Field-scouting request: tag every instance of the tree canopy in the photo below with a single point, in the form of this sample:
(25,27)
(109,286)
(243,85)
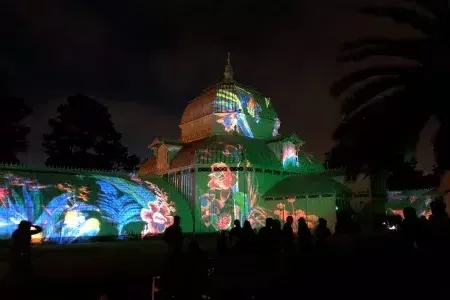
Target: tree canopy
(83,136)
(385,106)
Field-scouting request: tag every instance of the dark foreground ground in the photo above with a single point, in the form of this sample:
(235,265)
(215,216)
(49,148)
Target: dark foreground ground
(124,270)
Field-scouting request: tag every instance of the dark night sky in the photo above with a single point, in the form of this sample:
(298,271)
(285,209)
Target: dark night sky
(146,60)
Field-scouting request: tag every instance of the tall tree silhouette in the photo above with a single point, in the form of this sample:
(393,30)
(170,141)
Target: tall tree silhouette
(12,130)
(83,136)
(385,106)
(405,175)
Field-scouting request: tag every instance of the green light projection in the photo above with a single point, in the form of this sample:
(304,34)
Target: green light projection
(227,193)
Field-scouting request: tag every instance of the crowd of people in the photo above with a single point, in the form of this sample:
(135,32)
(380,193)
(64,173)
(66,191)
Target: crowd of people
(276,261)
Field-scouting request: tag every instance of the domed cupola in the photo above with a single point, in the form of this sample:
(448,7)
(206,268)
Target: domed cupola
(229,108)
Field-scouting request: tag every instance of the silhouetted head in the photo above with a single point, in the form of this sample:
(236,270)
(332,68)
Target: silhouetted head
(323,222)
(290,220)
(247,225)
(237,223)
(24,225)
(276,224)
(176,220)
(269,222)
(302,223)
(438,206)
(409,213)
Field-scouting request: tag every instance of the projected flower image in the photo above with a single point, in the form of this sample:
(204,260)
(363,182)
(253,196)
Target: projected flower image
(158,217)
(128,201)
(282,212)
(224,202)
(216,207)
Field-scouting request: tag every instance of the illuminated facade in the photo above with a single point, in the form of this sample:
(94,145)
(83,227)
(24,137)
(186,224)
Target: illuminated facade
(231,162)
(77,205)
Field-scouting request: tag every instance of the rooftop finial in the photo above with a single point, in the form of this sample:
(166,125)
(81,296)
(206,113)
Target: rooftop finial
(228,74)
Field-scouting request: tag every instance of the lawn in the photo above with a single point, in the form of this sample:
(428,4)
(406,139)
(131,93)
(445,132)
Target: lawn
(102,259)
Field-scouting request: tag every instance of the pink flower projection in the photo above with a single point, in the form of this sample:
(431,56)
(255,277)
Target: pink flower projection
(158,217)
(399,212)
(220,183)
(223,221)
(3,194)
(282,213)
(221,177)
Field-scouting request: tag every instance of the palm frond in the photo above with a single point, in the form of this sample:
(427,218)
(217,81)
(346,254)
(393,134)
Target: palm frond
(121,211)
(17,211)
(57,205)
(404,15)
(81,206)
(51,213)
(343,84)
(28,203)
(372,137)
(365,94)
(429,6)
(362,49)
(138,193)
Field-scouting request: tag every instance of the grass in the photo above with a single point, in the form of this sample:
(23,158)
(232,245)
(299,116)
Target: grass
(102,259)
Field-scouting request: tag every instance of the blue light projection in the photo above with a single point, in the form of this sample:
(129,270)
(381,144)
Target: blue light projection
(97,205)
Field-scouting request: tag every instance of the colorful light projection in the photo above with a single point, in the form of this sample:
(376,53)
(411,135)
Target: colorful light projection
(290,156)
(64,218)
(398,200)
(234,195)
(71,213)
(276,127)
(232,115)
(123,202)
(253,108)
(223,202)
(227,151)
(282,211)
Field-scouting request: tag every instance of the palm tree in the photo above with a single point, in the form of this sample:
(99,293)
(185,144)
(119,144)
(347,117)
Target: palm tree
(385,106)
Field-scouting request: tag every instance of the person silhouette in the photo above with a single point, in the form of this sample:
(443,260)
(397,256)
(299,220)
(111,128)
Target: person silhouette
(288,234)
(409,228)
(304,235)
(439,225)
(266,237)
(248,237)
(173,236)
(322,233)
(235,233)
(20,249)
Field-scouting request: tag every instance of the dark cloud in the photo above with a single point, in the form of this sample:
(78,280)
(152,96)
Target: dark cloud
(149,58)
